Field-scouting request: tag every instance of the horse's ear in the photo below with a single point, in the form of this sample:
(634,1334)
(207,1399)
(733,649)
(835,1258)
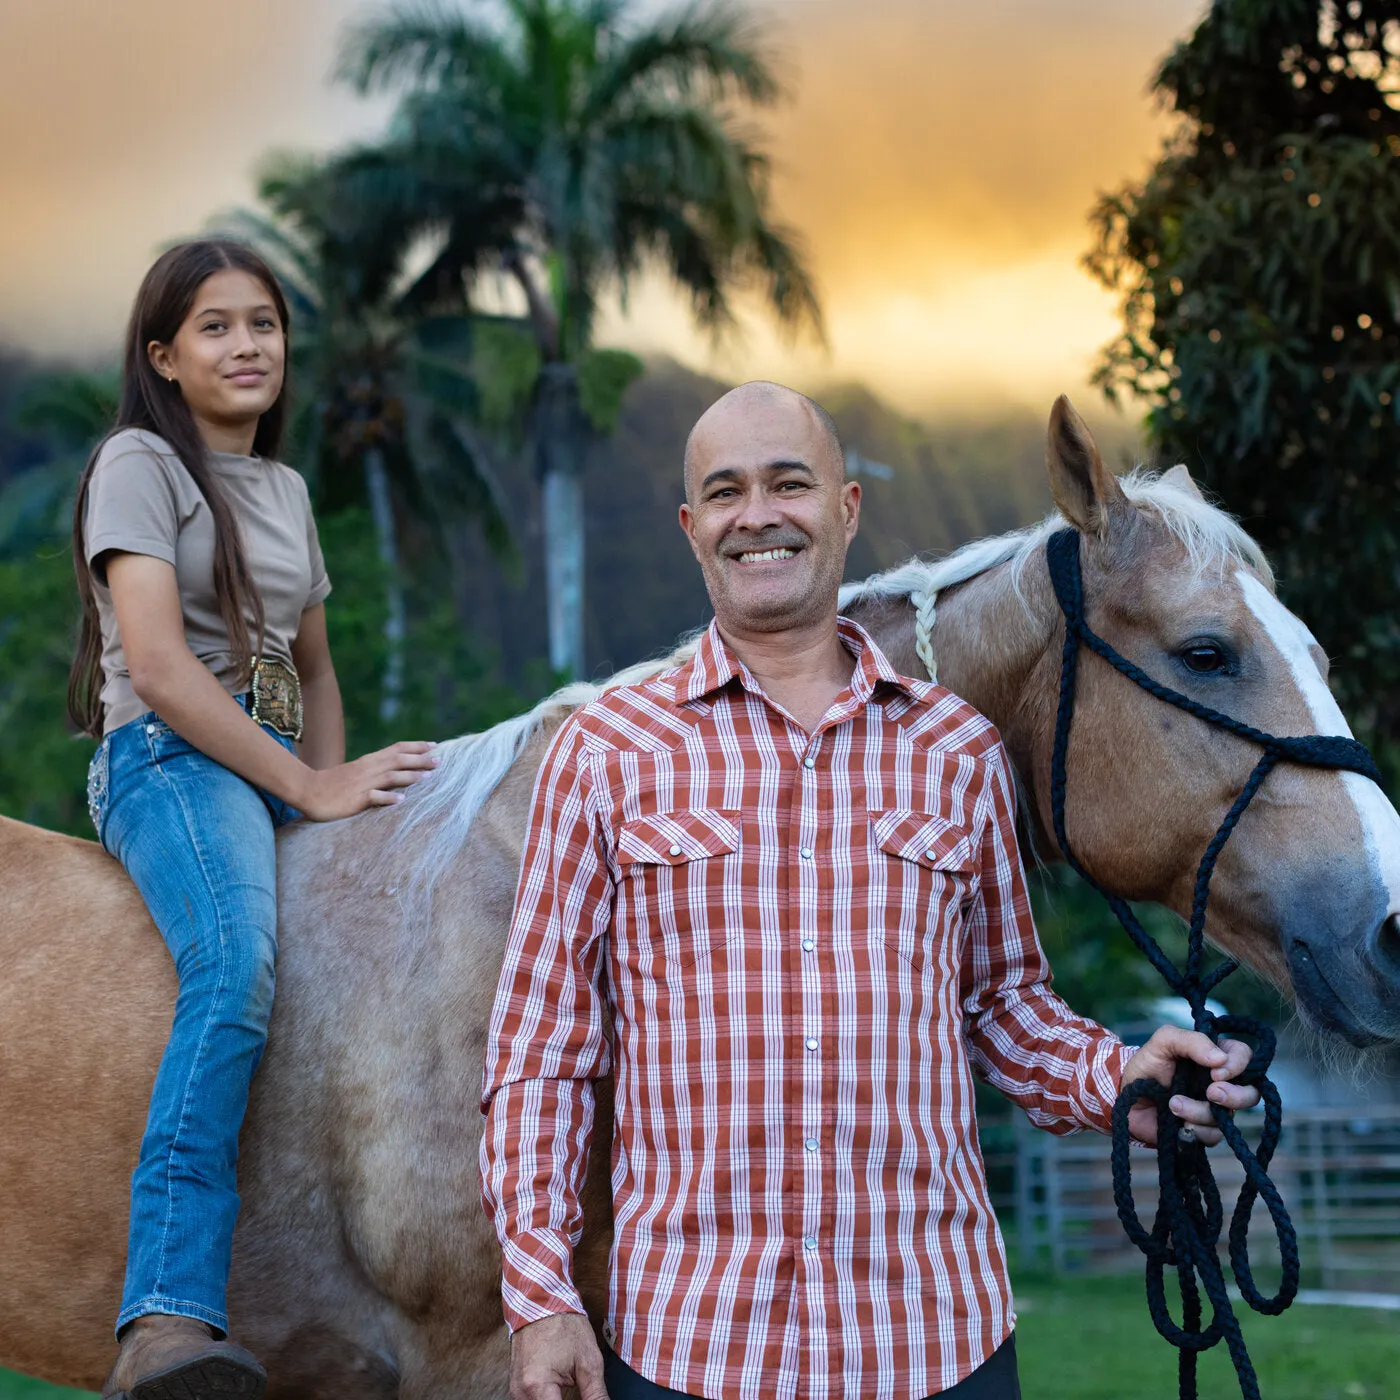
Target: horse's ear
(1182,480)
(1083,488)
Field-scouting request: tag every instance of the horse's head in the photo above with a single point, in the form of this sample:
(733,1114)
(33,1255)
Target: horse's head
(1307,890)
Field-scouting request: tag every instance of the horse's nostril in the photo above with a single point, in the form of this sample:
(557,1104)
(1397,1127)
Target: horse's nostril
(1388,943)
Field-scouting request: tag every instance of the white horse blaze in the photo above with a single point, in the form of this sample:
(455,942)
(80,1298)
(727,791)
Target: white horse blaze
(1380,823)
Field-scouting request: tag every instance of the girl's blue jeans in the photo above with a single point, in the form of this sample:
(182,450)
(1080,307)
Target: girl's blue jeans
(198,842)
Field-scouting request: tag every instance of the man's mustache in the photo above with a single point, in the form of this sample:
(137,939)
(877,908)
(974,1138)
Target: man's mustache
(780,537)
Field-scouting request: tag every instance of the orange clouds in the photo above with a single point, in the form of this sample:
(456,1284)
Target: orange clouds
(938,159)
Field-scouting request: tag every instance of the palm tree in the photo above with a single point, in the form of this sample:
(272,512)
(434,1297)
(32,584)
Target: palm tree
(568,145)
(383,382)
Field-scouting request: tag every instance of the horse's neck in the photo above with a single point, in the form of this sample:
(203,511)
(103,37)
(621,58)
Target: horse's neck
(991,644)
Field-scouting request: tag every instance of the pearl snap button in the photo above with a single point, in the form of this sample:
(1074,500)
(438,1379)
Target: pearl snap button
(806,853)
(932,855)
(811,1144)
(809,762)
(812,1042)
(808,945)
(809,1242)
(675,850)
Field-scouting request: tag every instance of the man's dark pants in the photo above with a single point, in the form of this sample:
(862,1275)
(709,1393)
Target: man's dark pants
(994,1379)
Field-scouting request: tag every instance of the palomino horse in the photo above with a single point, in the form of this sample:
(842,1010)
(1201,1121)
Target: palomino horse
(364,1266)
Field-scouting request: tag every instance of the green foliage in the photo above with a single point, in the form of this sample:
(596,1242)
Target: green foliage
(1259,266)
(603,378)
(505,365)
(67,412)
(450,685)
(43,768)
(1101,974)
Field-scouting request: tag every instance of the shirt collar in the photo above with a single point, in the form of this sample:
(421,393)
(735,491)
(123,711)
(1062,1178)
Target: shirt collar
(714,666)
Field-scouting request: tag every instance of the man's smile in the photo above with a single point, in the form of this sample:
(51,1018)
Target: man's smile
(765,556)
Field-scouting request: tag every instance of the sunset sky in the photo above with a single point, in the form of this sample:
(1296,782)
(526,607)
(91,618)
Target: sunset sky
(939,160)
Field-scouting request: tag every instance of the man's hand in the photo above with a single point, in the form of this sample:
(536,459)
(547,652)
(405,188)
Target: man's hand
(551,1357)
(1157,1060)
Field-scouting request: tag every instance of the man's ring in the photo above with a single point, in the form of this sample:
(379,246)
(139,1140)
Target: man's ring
(1186,1133)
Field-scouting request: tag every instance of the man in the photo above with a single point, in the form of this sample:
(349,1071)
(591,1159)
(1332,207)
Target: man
(776,892)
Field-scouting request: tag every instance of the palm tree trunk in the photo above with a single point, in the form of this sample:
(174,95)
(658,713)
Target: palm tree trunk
(563,570)
(560,434)
(396,617)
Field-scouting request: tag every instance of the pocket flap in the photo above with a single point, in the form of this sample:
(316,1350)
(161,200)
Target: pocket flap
(674,838)
(934,842)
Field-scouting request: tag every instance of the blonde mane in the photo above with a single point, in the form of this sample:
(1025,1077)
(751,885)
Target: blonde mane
(1210,537)
(473,765)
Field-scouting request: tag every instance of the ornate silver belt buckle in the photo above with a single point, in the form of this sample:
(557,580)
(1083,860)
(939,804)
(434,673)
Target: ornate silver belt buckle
(277,697)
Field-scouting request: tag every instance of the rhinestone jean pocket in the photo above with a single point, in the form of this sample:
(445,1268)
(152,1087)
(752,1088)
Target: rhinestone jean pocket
(97,784)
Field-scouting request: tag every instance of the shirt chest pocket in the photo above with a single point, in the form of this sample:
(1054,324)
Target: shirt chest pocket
(929,865)
(679,877)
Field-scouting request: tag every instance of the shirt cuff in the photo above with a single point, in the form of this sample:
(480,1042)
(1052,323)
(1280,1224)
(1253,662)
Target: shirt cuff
(536,1278)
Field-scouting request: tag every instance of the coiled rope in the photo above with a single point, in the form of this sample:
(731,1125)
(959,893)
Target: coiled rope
(1186,1231)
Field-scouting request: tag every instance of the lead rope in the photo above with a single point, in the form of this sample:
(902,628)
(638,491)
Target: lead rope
(1186,1231)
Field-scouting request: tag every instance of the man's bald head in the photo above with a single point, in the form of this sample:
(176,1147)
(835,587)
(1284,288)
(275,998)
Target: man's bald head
(733,419)
(768,510)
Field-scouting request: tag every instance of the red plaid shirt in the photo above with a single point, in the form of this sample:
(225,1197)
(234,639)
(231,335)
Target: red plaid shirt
(805,945)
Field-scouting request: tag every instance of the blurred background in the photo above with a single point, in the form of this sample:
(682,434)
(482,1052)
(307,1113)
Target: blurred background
(517,278)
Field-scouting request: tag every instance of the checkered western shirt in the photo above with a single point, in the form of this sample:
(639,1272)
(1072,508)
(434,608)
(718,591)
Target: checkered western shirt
(793,951)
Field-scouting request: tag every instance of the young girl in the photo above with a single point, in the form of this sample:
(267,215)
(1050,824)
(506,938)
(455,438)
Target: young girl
(204,670)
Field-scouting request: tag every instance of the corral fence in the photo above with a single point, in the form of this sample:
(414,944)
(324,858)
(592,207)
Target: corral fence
(1338,1170)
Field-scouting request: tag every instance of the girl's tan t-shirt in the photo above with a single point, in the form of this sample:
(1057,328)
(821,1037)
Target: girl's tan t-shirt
(142,500)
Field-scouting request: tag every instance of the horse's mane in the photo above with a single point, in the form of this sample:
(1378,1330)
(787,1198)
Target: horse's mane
(1210,537)
(473,765)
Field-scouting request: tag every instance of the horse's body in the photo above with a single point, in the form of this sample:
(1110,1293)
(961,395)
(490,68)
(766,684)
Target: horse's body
(364,1265)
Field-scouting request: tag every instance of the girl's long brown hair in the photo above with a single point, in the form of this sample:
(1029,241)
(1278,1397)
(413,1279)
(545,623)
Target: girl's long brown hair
(148,401)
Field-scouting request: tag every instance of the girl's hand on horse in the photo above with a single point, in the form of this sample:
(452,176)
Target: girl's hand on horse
(371,781)
(1158,1059)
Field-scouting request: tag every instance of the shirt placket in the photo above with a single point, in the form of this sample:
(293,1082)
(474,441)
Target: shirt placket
(812,1128)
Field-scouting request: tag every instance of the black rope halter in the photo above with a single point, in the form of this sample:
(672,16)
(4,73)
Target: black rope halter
(1186,1231)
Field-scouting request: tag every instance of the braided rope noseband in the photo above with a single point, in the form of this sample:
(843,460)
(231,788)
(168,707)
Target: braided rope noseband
(1186,1231)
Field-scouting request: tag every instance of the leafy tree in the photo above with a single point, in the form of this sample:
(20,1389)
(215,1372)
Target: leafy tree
(567,145)
(1259,265)
(65,413)
(383,391)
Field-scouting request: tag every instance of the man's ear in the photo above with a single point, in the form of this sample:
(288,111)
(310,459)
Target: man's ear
(687,519)
(1084,490)
(850,503)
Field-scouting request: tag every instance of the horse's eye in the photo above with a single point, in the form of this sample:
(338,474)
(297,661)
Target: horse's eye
(1204,659)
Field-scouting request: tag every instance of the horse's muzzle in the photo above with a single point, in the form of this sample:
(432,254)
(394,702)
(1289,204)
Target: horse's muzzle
(1369,1013)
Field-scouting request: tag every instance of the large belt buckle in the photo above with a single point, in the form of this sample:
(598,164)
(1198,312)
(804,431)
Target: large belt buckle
(277,697)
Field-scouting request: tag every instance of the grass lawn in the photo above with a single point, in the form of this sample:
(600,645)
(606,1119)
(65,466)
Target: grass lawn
(1091,1339)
